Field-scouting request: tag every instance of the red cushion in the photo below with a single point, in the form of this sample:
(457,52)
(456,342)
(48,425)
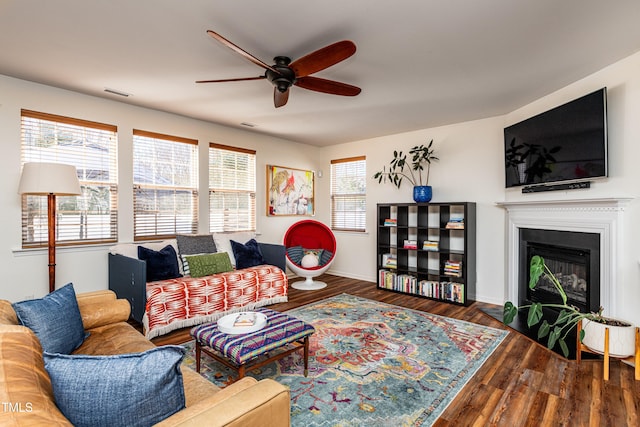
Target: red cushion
(307,242)
(310,234)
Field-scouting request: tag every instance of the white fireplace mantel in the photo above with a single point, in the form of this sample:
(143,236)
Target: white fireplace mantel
(602,216)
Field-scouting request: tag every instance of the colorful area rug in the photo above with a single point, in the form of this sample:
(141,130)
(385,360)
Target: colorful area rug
(373,364)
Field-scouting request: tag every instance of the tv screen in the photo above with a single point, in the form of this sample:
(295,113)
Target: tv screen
(566,143)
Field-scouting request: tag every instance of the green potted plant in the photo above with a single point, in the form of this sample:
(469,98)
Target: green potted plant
(421,158)
(569,317)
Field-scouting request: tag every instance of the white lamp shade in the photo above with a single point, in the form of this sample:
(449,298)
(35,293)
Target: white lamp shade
(49,178)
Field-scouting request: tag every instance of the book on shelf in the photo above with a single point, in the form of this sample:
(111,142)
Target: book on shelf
(427,288)
(386,279)
(455,224)
(430,245)
(453,268)
(389,261)
(410,244)
(406,283)
(245,319)
(450,291)
(390,222)
(458,292)
(452,273)
(397,282)
(453,292)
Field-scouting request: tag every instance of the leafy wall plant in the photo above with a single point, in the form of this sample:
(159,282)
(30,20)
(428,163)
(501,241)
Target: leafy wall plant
(421,158)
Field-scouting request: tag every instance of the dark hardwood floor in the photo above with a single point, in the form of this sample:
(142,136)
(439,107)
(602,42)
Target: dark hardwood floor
(521,384)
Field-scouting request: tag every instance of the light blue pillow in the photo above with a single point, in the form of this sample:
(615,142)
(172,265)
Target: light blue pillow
(325,257)
(137,389)
(295,254)
(55,319)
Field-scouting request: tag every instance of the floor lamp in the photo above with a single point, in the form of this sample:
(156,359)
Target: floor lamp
(51,180)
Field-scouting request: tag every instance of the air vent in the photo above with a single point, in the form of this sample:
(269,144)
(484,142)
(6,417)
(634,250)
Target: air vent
(117,92)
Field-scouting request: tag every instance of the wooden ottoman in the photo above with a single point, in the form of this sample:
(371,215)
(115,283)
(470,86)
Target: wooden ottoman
(239,352)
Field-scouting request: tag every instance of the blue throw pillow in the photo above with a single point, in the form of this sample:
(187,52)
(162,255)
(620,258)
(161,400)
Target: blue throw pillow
(295,254)
(247,255)
(162,264)
(139,389)
(325,257)
(55,319)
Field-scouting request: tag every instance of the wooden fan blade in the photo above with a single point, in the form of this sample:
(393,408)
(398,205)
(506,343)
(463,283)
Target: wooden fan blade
(241,51)
(323,58)
(327,86)
(231,80)
(280,98)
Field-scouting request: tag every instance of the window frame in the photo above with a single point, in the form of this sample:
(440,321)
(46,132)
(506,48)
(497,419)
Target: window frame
(84,206)
(219,188)
(335,197)
(163,229)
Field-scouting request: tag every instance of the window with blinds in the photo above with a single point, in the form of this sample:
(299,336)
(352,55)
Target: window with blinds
(348,194)
(91,217)
(165,185)
(232,189)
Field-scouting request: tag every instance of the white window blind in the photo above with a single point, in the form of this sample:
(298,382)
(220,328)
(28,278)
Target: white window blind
(348,194)
(91,217)
(232,189)
(165,181)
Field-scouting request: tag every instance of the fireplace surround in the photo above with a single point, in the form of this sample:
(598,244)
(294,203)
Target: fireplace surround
(602,217)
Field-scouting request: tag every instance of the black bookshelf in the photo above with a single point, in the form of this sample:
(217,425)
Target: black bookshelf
(444,268)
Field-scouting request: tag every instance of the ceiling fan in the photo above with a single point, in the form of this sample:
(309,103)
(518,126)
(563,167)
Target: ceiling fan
(284,73)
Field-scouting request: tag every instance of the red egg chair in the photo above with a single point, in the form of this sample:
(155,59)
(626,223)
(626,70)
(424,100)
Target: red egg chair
(301,239)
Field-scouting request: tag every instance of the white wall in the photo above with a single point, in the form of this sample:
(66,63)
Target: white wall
(622,80)
(25,272)
(471,169)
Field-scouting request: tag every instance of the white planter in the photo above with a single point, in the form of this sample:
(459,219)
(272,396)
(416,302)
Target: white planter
(622,339)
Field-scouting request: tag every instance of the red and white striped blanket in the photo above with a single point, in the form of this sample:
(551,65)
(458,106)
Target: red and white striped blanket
(186,301)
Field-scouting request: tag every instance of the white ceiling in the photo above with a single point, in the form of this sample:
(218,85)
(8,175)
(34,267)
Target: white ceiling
(420,63)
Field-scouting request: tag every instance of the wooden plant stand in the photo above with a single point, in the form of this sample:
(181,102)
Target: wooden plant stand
(631,360)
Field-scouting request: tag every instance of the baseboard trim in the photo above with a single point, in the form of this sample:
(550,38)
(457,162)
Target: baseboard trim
(353,276)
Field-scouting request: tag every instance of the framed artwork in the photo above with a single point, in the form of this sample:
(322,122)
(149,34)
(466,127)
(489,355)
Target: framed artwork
(290,191)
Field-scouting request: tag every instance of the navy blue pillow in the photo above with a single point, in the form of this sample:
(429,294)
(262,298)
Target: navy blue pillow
(247,255)
(137,389)
(55,319)
(162,264)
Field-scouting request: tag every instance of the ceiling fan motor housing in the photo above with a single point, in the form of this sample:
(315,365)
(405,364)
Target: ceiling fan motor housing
(285,77)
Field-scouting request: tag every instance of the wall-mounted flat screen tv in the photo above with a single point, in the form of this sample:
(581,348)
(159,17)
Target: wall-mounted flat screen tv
(566,143)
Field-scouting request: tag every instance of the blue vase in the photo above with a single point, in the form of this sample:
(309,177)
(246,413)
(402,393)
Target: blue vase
(422,193)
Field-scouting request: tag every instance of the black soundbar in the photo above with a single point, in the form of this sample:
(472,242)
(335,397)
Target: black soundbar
(555,187)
